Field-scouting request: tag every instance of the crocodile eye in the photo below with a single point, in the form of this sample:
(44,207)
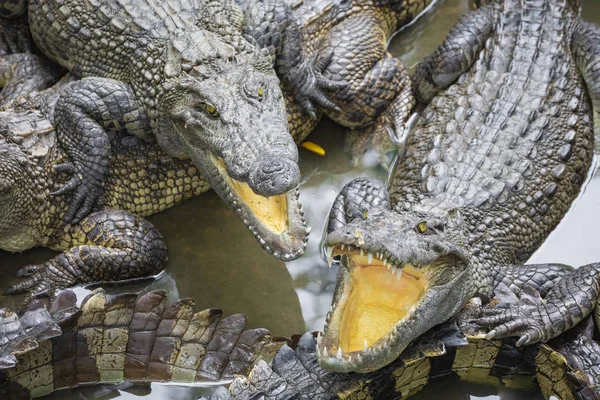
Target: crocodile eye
(209,109)
(260,93)
(421,227)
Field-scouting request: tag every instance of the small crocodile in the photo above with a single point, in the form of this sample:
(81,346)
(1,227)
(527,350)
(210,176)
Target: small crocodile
(126,337)
(501,149)
(149,341)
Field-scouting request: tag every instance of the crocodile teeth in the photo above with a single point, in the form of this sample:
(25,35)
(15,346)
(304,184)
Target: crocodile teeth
(325,351)
(343,246)
(308,229)
(319,338)
(399,274)
(339,353)
(365,347)
(318,352)
(362,252)
(369,258)
(329,253)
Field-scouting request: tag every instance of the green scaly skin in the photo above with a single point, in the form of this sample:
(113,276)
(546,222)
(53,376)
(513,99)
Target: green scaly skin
(502,147)
(108,245)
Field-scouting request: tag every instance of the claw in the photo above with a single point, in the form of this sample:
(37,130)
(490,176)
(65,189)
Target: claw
(28,270)
(67,188)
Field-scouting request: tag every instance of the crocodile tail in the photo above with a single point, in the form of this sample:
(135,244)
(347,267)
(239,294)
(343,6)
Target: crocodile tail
(129,337)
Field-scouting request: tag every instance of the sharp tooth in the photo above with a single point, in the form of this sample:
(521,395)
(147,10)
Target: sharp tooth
(358,357)
(325,351)
(399,274)
(308,229)
(319,338)
(318,352)
(365,347)
(343,246)
(362,252)
(369,258)
(394,270)
(329,253)
(395,330)
(339,353)
(379,255)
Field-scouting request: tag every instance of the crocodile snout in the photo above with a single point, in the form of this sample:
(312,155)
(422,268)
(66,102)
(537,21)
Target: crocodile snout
(274,177)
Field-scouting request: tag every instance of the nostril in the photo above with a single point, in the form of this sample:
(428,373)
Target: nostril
(273,167)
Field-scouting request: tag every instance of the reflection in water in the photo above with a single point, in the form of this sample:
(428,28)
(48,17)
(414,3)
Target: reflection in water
(217,262)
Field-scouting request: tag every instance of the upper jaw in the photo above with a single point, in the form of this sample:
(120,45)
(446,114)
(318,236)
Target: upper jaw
(277,222)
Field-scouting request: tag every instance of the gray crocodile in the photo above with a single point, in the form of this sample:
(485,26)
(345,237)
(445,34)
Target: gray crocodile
(140,338)
(565,368)
(501,149)
(365,81)
(108,245)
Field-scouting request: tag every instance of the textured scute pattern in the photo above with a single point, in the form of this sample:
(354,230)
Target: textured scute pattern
(109,245)
(355,35)
(135,338)
(565,369)
(510,142)
(502,147)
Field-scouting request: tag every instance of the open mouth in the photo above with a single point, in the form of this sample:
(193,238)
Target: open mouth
(277,222)
(377,295)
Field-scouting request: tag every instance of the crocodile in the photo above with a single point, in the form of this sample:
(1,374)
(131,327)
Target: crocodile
(108,245)
(502,146)
(565,368)
(44,351)
(139,338)
(308,39)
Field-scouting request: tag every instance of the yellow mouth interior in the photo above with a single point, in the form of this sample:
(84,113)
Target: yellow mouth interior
(377,302)
(271,212)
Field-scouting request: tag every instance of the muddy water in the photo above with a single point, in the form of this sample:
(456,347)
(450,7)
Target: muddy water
(215,261)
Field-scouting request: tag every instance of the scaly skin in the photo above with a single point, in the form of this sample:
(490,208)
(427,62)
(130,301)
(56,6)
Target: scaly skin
(153,342)
(564,368)
(22,71)
(499,153)
(128,337)
(108,245)
(219,104)
(354,34)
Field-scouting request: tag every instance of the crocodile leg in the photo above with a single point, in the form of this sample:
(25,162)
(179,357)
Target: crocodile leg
(541,277)
(22,73)
(535,319)
(106,246)
(271,24)
(84,111)
(355,200)
(586,51)
(454,56)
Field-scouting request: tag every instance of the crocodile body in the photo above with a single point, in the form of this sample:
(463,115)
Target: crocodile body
(142,179)
(151,341)
(127,337)
(309,41)
(500,151)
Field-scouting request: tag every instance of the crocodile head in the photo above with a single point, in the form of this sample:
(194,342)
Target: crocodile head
(399,275)
(234,127)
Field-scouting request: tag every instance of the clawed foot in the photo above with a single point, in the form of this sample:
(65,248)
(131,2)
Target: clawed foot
(41,280)
(527,319)
(308,83)
(87,188)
